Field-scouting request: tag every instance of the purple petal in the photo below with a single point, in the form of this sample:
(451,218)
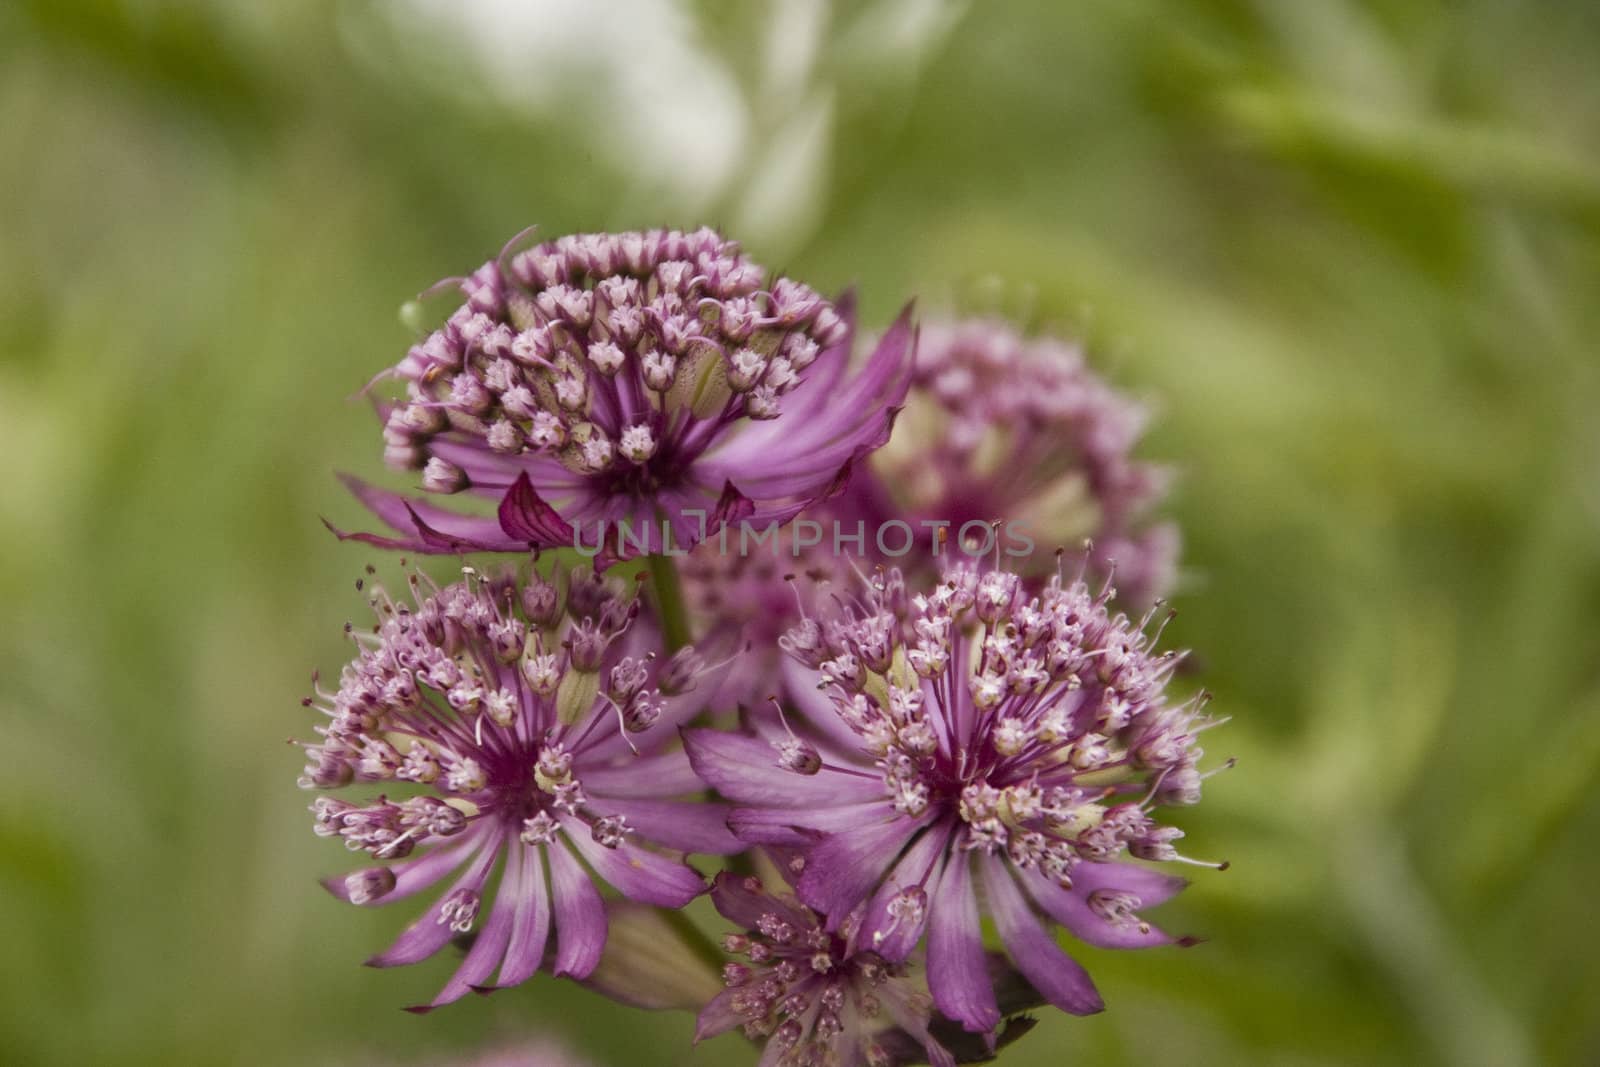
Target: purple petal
(530,926)
(1058,977)
(686,825)
(800,686)
(920,866)
(425,526)
(636,873)
(801,455)
(492,474)
(485,470)
(745,769)
(526,518)
(743,901)
(844,869)
(414,876)
(778,826)
(717,1017)
(957,974)
(427,934)
(580,915)
(665,775)
(1151,887)
(1070,908)
(489,947)
(732,506)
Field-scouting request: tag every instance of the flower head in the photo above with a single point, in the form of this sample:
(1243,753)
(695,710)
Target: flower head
(609,383)
(973,733)
(813,995)
(998,431)
(520,727)
(1002,427)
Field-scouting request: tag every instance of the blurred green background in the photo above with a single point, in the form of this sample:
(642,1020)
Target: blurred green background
(1350,248)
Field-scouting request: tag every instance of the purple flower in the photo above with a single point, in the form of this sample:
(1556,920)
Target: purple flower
(973,735)
(815,996)
(754,598)
(996,428)
(1021,430)
(599,385)
(527,730)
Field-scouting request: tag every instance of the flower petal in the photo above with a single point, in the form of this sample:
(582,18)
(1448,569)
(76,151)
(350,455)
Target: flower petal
(958,976)
(528,520)
(1058,977)
(744,901)
(1151,887)
(921,865)
(717,1017)
(800,456)
(580,915)
(490,472)
(667,774)
(845,868)
(414,876)
(778,826)
(1070,908)
(489,947)
(428,934)
(636,873)
(686,825)
(425,526)
(745,769)
(530,926)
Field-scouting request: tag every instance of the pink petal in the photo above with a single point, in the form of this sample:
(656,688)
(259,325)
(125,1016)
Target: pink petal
(489,947)
(920,866)
(745,769)
(958,977)
(744,901)
(845,868)
(427,934)
(1070,908)
(414,876)
(636,873)
(687,825)
(667,774)
(777,826)
(1058,977)
(580,915)
(530,926)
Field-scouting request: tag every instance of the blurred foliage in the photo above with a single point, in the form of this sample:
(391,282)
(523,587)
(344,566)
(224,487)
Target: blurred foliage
(1350,248)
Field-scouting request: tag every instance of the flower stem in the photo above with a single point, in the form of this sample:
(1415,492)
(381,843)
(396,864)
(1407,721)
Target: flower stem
(669,601)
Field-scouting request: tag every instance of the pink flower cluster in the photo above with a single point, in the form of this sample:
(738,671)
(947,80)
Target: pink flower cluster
(889,751)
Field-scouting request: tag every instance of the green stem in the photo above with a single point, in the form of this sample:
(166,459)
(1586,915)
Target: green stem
(669,601)
(697,940)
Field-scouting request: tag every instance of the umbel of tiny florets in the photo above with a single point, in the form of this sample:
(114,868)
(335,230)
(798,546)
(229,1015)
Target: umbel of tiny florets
(521,727)
(814,996)
(1008,446)
(974,733)
(600,385)
(1020,431)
